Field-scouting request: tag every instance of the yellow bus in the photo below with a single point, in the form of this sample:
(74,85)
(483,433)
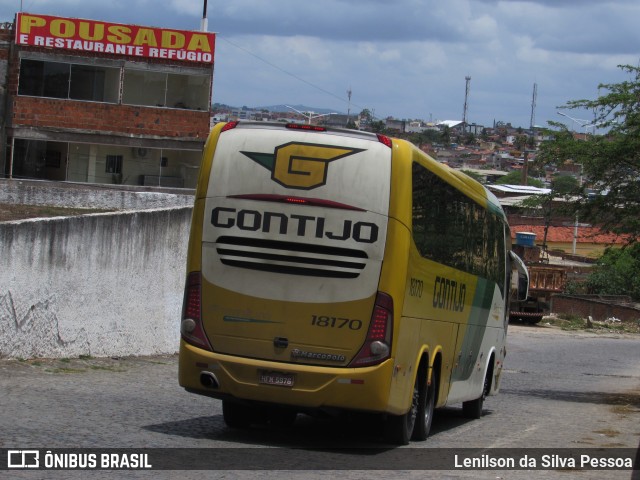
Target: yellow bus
(336,270)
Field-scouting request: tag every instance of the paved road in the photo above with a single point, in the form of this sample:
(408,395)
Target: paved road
(559,390)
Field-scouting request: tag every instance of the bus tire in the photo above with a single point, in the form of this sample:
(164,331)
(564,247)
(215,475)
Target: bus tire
(473,408)
(398,429)
(281,417)
(236,415)
(426,407)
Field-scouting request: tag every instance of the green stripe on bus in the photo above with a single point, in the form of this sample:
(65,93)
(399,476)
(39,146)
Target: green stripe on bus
(475,329)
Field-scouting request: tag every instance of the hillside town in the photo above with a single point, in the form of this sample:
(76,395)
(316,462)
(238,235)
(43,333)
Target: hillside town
(501,156)
(489,151)
(127,119)
(557,247)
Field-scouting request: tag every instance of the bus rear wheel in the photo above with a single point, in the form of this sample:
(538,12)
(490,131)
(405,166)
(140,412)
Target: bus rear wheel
(236,415)
(281,416)
(398,429)
(426,407)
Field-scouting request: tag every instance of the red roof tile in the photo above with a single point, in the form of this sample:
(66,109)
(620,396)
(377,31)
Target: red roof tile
(565,234)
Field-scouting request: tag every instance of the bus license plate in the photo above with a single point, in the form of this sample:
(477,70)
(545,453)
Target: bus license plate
(279,379)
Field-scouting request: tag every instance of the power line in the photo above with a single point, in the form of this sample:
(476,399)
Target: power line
(293,75)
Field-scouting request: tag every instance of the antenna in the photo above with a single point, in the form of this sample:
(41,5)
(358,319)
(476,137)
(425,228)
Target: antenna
(533,106)
(466,100)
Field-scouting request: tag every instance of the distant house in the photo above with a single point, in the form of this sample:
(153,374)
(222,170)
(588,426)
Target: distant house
(244,114)
(444,156)
(419,127)
(450,123)
(337,120)
(487,176)
(589,241)
(397,125)
(562,233)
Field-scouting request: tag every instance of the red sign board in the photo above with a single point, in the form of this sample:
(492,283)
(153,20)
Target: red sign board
(114,38)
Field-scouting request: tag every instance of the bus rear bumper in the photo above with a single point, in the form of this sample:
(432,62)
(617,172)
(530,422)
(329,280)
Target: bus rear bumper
(313,387)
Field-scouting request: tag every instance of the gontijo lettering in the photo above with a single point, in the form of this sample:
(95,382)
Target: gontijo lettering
(102,37)
(449,294)
(301,225)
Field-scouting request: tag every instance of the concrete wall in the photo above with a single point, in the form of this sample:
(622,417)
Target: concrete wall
(99,284)
(596,306)
(64,194)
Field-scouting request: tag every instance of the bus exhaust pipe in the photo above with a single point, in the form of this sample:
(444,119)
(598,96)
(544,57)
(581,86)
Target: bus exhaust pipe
(209,380)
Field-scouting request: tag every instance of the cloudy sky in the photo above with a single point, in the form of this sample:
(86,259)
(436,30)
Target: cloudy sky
(402,58)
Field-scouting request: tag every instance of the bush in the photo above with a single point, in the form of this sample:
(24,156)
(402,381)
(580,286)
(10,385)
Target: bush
(616,273)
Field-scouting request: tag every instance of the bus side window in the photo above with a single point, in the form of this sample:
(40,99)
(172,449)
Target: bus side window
(450,228)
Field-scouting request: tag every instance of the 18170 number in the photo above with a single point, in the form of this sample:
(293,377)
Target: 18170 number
(335,322)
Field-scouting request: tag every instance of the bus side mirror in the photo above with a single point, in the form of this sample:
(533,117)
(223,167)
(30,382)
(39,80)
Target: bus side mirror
(520,277)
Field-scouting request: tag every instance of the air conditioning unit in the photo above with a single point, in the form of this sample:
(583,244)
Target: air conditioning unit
(139,152)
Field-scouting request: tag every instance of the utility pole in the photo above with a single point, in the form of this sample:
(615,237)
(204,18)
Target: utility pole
(524,180)
(204,24)
(349,106)
(525,165)
(466,104)
(533,107)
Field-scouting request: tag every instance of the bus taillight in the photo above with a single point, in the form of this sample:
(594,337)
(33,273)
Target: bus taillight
(385,140)
(377,346)
(191,325)
(229,126)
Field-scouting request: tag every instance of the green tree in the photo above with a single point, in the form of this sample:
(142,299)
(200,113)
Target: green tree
(616,273)
(378,127)
(352,125)
(467,138)
(445,135)
(564,185)
(366,115)
(473,175)
(521,142)
(611,162)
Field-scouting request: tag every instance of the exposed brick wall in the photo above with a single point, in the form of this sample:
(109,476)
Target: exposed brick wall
(108,118)
(96,117)
(5,43)
(597,307)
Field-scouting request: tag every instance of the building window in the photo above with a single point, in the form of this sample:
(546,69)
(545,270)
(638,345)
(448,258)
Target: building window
(69,81)
(44,79)
(98,84)
(188,91)
(102,84)
(144,88)
(158,89)
(113,164)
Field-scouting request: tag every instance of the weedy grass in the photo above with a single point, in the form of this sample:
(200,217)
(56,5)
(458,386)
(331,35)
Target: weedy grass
(576,322)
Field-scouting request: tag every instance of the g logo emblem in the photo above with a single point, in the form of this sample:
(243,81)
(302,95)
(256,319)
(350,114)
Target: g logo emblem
(303,166)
